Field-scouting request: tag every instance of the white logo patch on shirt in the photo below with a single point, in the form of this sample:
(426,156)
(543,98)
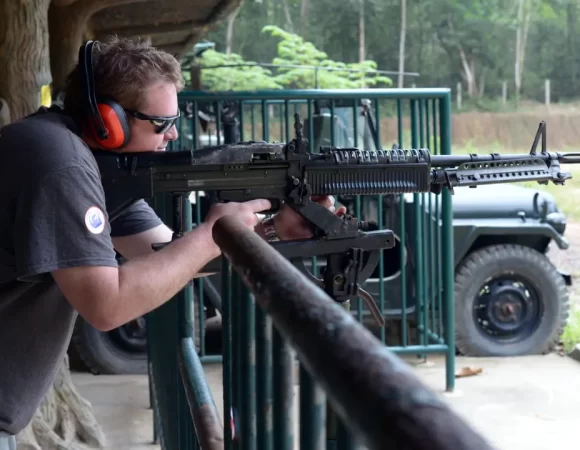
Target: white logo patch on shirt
(95,220)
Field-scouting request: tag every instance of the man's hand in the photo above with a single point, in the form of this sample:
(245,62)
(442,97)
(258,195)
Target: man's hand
(290,225)
(246,212)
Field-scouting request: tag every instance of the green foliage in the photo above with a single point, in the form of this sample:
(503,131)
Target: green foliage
(294,50)
(437,33)
(291,50)
(242,78)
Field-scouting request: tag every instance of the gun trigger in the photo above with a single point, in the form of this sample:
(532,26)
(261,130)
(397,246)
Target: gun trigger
(374,309)
(276,205)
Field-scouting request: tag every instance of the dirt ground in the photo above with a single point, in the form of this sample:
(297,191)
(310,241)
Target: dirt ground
(569,260)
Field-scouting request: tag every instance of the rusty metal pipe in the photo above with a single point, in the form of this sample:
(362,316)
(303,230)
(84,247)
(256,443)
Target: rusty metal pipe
(206,421)
(376,394)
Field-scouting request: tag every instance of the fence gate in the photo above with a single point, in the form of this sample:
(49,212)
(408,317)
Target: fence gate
(413,283)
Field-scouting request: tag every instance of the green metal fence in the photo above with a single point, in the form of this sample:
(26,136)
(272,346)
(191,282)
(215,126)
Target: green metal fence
(413,285)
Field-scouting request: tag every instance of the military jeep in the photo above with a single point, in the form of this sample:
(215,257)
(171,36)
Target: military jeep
(509,298)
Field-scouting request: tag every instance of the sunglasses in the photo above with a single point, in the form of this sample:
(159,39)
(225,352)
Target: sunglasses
(162,123)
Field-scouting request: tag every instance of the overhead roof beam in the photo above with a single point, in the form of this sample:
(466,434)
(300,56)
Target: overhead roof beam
(151,30)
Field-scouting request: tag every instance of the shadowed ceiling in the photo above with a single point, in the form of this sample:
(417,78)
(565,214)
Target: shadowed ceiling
(173,25)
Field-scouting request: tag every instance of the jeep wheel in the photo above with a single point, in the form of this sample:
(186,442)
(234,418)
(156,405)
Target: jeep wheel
(119,351)
(509,301)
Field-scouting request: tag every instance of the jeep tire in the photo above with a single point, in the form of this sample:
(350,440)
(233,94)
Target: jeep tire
(119,351)
(509,301)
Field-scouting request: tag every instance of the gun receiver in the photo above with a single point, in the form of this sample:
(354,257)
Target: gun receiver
(289,173)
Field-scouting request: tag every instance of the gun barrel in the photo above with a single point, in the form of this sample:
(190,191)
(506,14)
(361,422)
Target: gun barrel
(569,158)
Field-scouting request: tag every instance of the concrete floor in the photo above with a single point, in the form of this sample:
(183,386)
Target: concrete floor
(120,404)
(530,403)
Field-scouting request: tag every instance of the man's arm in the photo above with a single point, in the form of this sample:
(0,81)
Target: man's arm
(138,227)
(108,297)
(140,244)
(136,230)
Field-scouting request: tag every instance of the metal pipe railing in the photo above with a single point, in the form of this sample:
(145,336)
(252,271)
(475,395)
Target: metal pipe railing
(204,414)
(376,394)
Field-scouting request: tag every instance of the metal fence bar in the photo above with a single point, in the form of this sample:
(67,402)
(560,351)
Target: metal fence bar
(208,427)
(379,397)
(174,425)
(184,410)
(448,266)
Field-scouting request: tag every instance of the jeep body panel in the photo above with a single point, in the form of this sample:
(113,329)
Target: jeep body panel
(505,214)
(469,235)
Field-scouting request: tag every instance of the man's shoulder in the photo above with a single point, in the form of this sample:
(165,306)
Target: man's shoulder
(47,120)
(47,139)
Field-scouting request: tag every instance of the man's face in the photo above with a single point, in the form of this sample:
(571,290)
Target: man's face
(160,102)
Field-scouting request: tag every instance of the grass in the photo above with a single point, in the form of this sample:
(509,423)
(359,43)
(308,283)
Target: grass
(571,335)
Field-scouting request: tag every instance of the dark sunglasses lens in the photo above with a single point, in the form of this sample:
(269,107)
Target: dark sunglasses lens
(163,126)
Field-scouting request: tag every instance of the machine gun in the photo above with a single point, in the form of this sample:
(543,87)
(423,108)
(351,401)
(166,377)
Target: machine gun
(288,173)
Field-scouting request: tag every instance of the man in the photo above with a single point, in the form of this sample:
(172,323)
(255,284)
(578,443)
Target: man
(57,247)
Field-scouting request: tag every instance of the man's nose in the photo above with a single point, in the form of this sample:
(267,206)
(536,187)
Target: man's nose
(171,134)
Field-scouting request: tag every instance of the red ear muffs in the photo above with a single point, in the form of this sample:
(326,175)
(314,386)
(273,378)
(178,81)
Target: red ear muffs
(107,122)
(116,126)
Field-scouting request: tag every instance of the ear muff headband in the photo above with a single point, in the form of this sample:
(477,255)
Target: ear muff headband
(107,120)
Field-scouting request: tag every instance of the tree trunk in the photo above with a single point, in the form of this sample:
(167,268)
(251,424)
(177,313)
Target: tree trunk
(402,43)
(230,32)
(288,15)
(361,32)
(523,25)
(64,420)
(467,66)
(571,22)
(517,68)
(303,29)
(24,56)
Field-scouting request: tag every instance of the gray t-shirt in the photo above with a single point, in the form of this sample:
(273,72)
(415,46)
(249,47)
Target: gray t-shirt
(52,215)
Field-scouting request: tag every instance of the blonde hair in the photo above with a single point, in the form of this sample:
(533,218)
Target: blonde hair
(122,69)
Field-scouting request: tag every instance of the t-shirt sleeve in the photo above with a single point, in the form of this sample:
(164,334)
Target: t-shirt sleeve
(61,222)
(136,218)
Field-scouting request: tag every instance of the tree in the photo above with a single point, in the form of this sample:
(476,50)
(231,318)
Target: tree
(23,32)
(293,50)
(224,72)
(467,32)
(241,75)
